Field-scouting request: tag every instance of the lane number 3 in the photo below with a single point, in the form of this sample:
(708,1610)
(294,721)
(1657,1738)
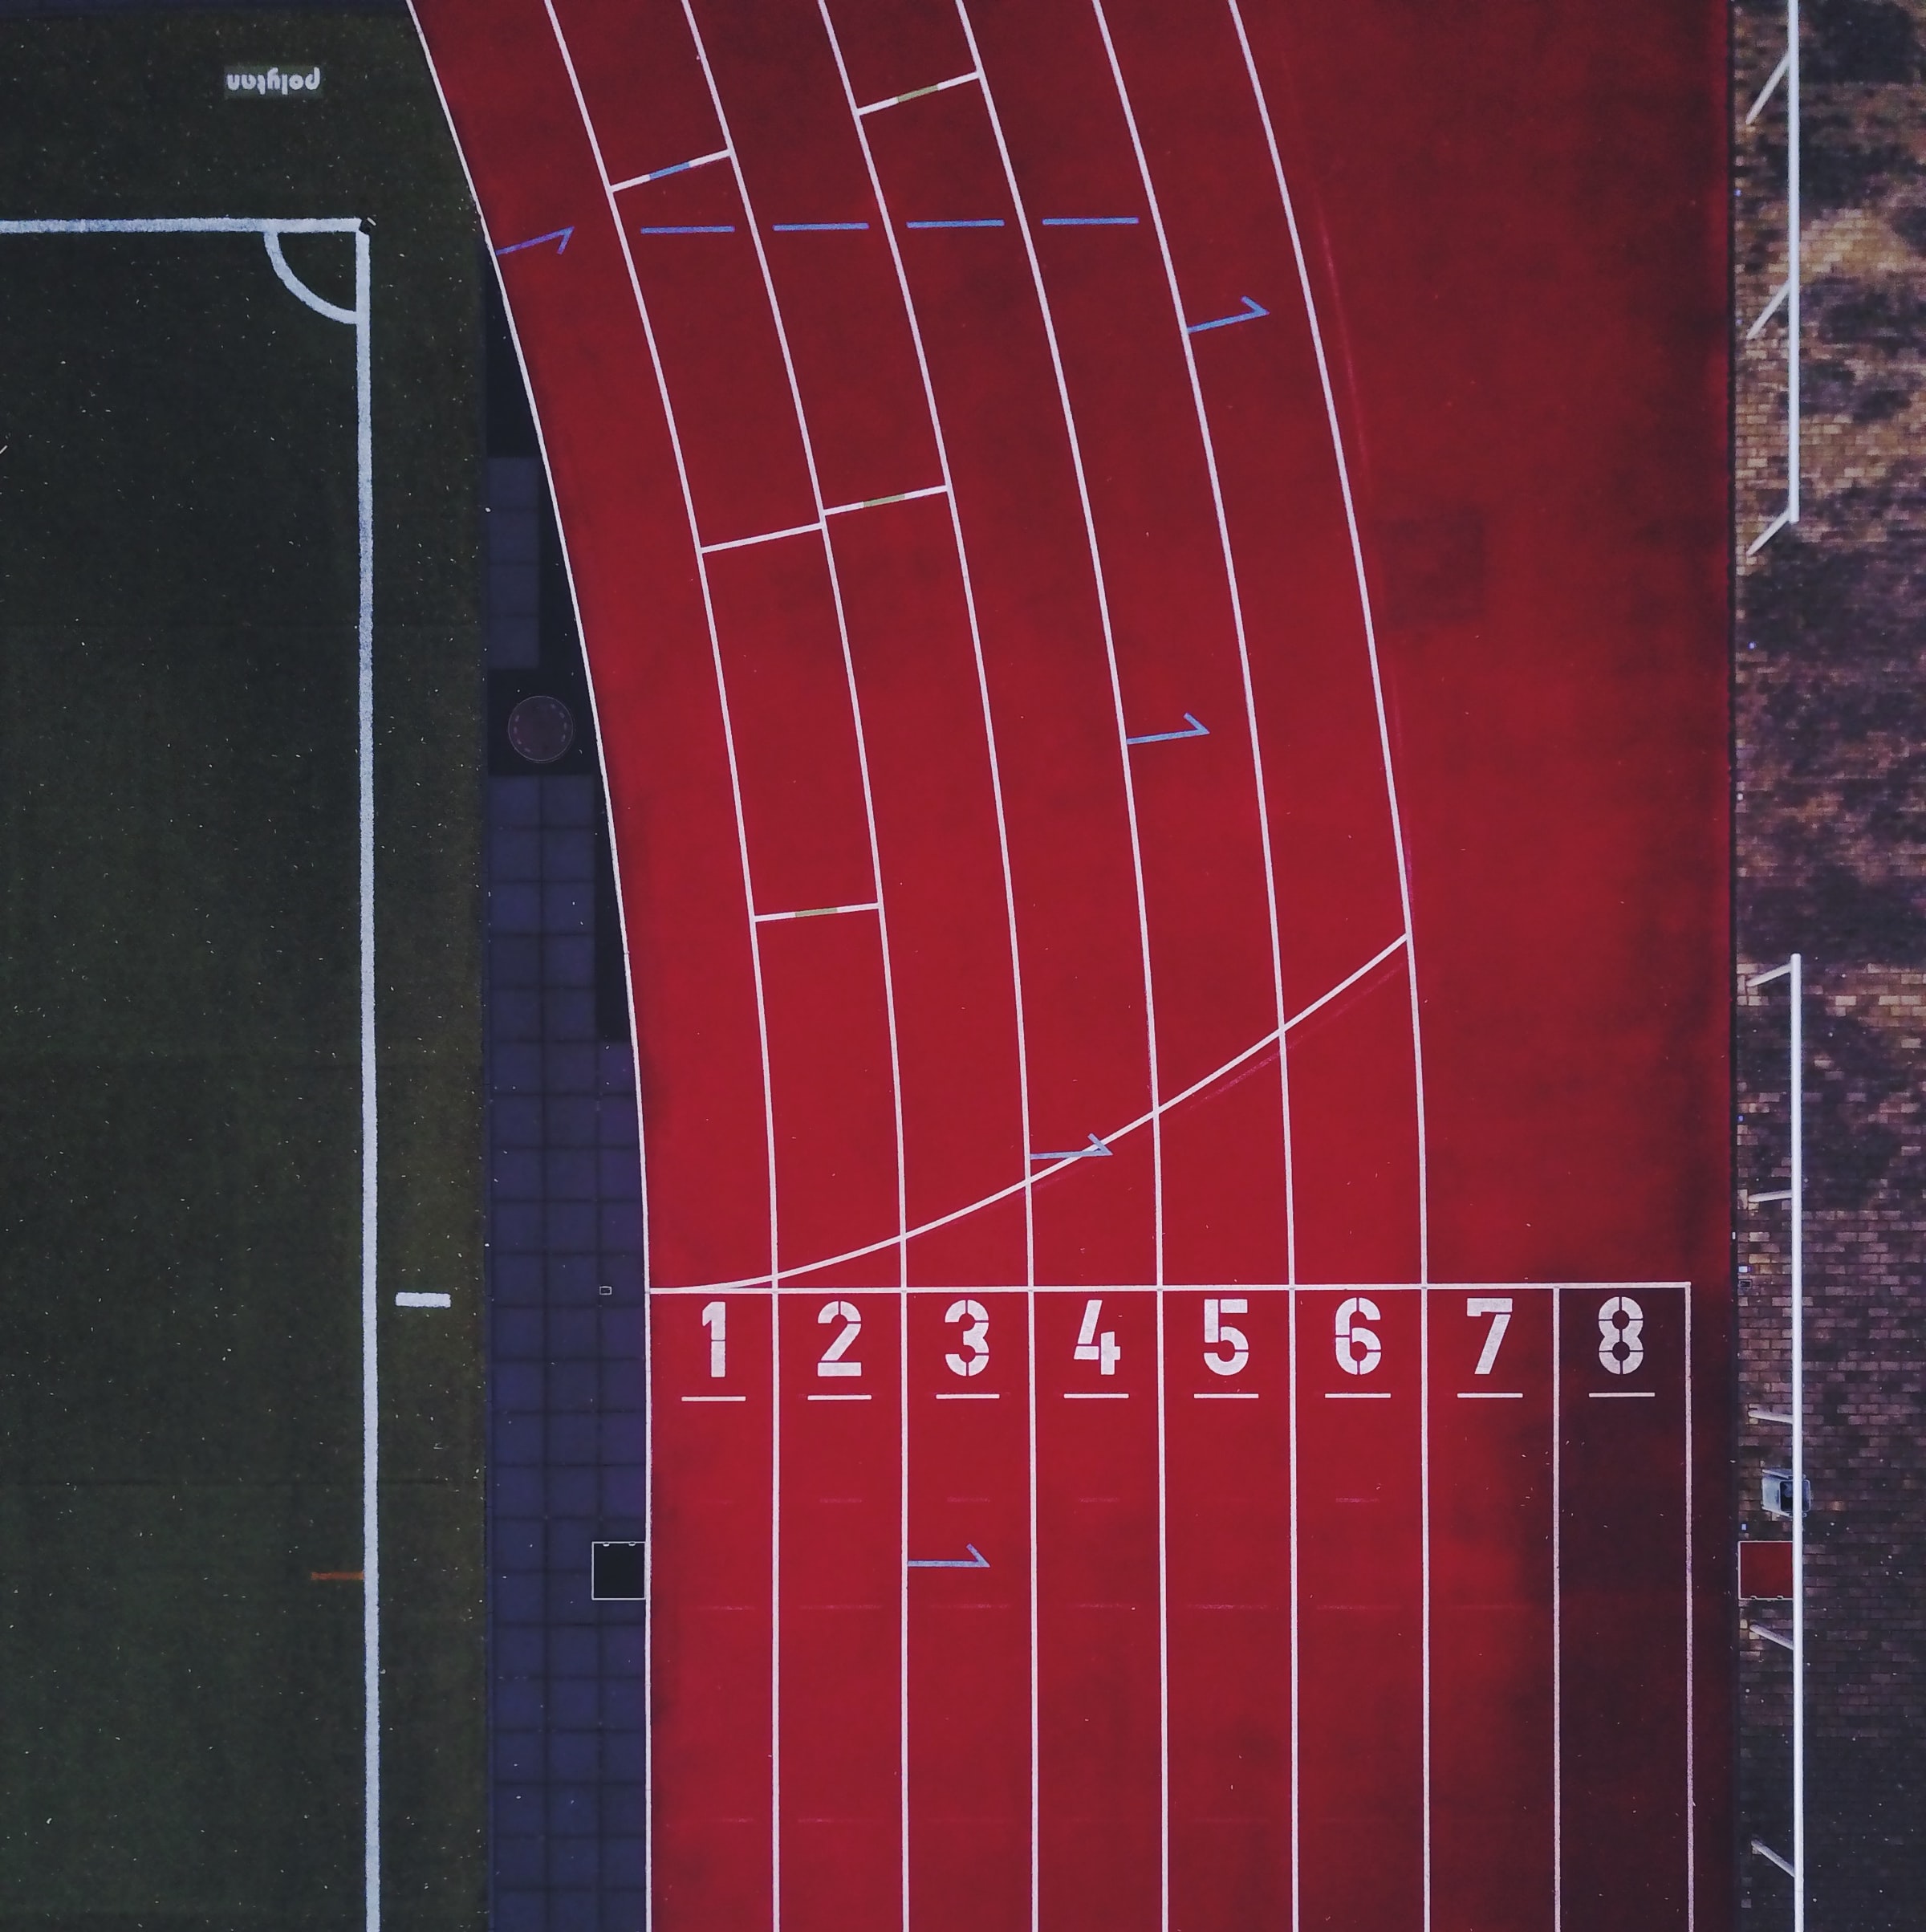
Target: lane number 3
(974,1340)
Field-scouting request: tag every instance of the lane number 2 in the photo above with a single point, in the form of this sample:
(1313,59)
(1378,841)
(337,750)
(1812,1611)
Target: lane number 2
(1499,1307)
(715,1318)
(1092,1346)
(832,1363)
(1621,1334)
(1358,1348)
(974,1340)
(1225,1349)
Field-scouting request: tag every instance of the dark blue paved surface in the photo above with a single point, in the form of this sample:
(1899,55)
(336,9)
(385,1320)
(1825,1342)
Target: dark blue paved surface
(566,1440)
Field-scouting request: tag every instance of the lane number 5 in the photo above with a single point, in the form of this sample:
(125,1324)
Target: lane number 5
(1225,1349)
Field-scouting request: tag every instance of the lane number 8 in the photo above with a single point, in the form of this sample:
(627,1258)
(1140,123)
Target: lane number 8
(1621,1334)
(974,1340)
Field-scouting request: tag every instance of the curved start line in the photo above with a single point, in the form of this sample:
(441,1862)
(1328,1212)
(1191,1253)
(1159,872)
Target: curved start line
(1090,519)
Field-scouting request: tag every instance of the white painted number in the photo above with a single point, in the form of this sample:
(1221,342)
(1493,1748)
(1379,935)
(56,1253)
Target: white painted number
(1219,1335)
(832,1362)
(715,1318)
(975,1337)
(1092,1346)
(1499,1307)
(1621,1332)
(1359,1350)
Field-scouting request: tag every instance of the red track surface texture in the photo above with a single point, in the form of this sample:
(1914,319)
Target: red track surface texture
(1188,546)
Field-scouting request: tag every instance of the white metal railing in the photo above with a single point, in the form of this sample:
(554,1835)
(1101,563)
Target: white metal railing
(1786,295)
(1792,1417)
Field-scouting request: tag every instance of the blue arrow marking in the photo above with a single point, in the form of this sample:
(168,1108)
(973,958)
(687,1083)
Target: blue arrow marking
(558,235)
(1078,1153)
(975,1560)
(1159,738)
(1252,311)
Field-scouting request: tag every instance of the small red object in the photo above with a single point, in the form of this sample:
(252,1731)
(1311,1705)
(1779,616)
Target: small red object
(1765,1569)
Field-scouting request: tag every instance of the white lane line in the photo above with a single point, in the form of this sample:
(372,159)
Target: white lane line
(882,913)
(1015,964)
(1624,1395)
(1003,1194)
(1095,1395)
(766,536)
(1223,1395)
(406,1299)
(817,912)
(1397,830)
(769,1122)
(971,1396)
(1356,1395)
(897,100)
(837,1398)
(715,1398)
(702,160)
(877,503)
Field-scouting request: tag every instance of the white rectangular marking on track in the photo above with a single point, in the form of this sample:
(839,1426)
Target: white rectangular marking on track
(1624,1395)
(715,1398)
(406,1300)
(839,1398)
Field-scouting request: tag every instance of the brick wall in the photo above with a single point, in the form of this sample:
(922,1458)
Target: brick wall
(1830,730)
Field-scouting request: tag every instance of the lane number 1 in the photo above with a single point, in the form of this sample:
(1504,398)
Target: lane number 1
(715,1318)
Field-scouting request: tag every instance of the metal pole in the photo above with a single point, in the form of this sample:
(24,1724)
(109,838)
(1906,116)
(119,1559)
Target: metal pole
(1798,1405)
(1792,269)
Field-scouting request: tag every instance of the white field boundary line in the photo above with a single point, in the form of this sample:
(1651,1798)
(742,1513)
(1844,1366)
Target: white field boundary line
(1027,1185)
(628,983)
(1397,830)
(882,912)
(360,318)
(755,948)
(1003,1194)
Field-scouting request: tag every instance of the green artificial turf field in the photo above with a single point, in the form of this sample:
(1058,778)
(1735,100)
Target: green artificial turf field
(180,1345)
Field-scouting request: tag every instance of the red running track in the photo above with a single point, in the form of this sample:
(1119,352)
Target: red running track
(1153,580)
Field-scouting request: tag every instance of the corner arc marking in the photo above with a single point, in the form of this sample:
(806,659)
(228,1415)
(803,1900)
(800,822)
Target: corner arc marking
(298,289)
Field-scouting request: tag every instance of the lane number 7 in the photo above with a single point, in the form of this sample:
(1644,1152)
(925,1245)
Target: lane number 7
(1499,1307)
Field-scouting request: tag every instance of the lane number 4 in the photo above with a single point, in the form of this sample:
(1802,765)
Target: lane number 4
(1092,1346)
